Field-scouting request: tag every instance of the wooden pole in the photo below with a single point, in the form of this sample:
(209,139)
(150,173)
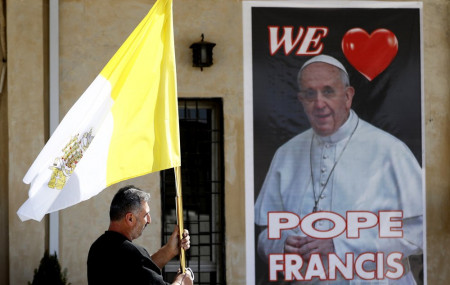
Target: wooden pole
(179,206)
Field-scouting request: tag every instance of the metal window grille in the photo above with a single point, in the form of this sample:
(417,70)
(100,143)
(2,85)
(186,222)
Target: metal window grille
(202,173)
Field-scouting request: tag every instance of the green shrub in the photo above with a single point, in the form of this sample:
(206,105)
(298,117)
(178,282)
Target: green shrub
(49,272)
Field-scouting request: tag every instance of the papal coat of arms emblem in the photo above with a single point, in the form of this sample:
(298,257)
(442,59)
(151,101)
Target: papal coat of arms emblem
(64,165)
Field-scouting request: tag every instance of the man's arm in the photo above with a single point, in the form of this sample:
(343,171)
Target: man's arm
(171,248)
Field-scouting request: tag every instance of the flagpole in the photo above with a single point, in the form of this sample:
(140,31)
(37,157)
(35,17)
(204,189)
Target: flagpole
(179,207)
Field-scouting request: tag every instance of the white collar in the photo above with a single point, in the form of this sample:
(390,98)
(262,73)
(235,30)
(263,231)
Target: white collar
(343,132)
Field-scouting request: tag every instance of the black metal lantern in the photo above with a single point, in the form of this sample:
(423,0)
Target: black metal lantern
(202,53)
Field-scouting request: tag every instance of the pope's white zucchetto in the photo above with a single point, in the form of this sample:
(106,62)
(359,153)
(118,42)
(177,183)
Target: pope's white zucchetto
(326,59)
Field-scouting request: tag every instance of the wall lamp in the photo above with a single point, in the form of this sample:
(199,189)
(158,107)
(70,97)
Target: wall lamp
(202,53)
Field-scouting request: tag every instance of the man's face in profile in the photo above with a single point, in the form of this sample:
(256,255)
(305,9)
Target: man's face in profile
(143,218)
(325,98)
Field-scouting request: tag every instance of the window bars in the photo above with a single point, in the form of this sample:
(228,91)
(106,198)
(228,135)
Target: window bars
(201,140)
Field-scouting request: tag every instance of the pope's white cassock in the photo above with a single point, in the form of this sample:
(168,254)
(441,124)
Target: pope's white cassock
(376,172)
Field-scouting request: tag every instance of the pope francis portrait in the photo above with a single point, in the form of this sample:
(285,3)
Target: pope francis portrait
(341,164)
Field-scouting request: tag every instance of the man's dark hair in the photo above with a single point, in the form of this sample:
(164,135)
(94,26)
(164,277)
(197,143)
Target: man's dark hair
(127,199)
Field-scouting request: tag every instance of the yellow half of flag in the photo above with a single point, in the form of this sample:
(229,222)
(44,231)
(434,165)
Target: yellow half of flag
(123,126)
(142,75)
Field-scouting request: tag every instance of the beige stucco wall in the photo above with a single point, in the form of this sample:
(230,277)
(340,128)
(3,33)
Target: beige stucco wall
(26,128)
(437,137)
(4,234)
(90,32)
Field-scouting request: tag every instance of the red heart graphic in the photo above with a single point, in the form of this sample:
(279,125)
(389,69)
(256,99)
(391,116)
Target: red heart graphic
(369,54)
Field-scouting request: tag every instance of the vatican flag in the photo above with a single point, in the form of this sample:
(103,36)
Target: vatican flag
(124,125)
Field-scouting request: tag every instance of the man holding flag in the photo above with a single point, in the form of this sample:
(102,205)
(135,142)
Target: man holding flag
(114,259)
(123,126)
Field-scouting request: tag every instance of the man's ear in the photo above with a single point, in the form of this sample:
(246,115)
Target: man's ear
(129,218)
(349,92)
